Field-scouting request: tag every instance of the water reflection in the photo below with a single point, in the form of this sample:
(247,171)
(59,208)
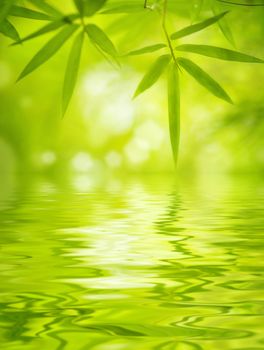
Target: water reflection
(147,266)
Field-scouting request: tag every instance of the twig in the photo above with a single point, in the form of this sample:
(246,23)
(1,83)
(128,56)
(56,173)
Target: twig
(164,26)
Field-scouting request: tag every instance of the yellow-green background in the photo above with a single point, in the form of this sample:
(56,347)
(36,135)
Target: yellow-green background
(105,130)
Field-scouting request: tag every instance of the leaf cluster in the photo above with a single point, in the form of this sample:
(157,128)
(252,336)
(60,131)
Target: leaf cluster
(64,26)
(81,25)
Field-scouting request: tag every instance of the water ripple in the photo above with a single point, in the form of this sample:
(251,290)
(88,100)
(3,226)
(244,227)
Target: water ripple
(147,267)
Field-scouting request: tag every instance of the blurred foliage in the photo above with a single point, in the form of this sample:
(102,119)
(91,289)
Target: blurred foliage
(103,128)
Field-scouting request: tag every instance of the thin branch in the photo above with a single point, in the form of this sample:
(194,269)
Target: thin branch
(164,26)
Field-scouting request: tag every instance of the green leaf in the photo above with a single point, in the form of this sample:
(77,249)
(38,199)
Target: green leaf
(5,9)
(89,7)
(197,27)
(18,11)
(100,39)
(226,30)
(204,79)
(224,27)
(218,52)
(45,29)
(146,49)
(9,30)
(48,50)
(72,71)
(174,108)
(79,5)
(153,74)
(44,6)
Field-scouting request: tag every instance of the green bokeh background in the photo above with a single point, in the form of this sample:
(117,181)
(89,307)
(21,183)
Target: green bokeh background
(104,130)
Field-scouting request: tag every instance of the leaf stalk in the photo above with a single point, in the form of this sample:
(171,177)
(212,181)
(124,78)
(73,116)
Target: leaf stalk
(165,30)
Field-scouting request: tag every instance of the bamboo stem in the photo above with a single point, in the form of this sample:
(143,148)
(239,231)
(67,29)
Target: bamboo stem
(164,26)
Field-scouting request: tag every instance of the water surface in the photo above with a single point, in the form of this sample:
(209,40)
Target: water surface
(147,265)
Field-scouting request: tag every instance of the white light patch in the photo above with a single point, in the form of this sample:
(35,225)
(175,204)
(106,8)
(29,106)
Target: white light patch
(82,162)
(118,115)
(107,95)
(137,151)
(151,133)
(97,83)
(113,159)
(48,158)
(83,183)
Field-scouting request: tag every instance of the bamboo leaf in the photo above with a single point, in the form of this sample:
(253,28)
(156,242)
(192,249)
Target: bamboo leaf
(45,29)
(9,30)
(204,79)
(174,108)
(72,71)
(99,38)
(79,5)
(224,27)
(226,30)
(44,6)
(19,11)
(218,52)
(48,50)
(194,28)
(89,7)
(5,9)
(153,74)
(146,49)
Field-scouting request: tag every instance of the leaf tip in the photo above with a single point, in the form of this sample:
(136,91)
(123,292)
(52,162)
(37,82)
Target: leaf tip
(15,43)
(228,99)
(20,77)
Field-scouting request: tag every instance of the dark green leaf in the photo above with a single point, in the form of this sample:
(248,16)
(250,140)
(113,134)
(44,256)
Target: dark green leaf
(24,12)
(174,108)
(197,27)
(72,71)
(92,6)
(9,30)
(5,9)
(79,5)
(226,30)
(204,79)
(48,50)
(153,74)
(146,49)
(224,27)
(46,29)
(218,52)
(89,7)
(100,39)
(44,6)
